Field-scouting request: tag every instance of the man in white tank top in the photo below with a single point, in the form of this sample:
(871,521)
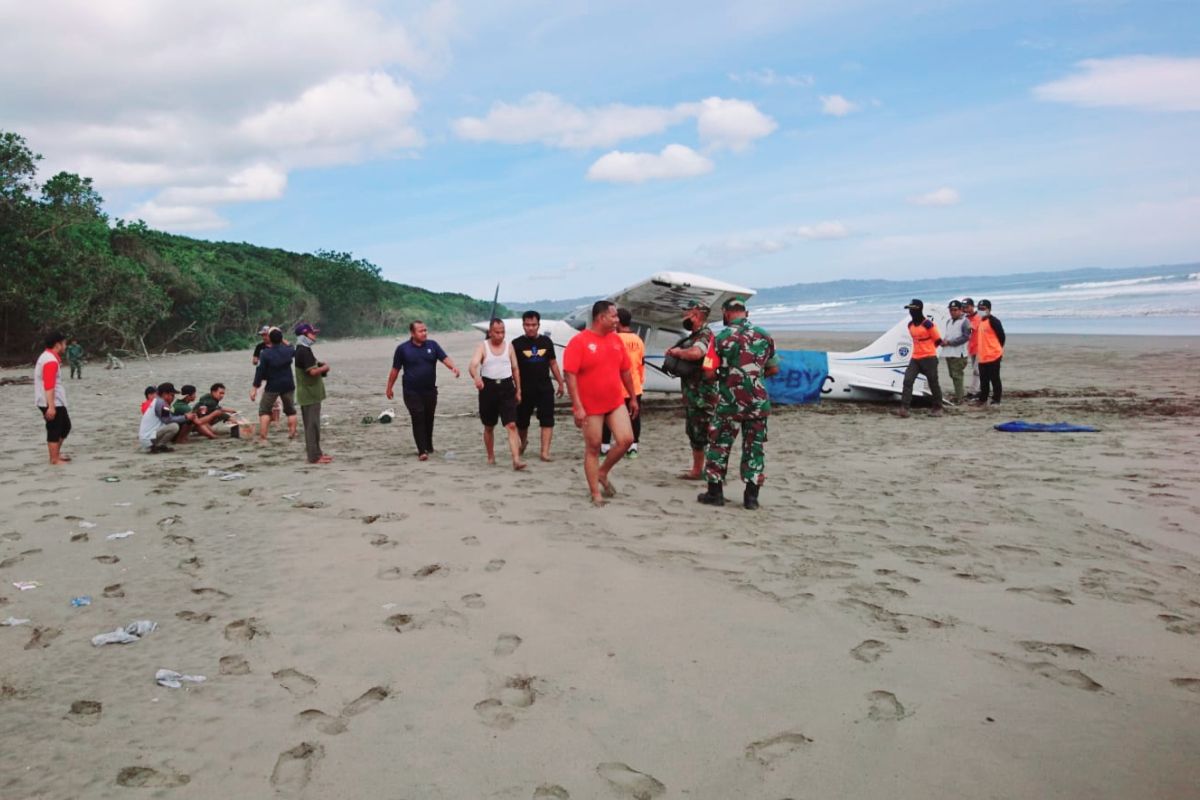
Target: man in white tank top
(494,368)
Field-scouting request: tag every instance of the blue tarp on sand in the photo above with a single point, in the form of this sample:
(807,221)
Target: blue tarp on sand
(801,375)
(1021,426)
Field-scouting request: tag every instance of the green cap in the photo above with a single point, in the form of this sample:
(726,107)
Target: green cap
(734,304)
(696,304)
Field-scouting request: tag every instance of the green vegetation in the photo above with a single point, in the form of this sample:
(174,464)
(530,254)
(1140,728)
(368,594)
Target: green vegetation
(129,288)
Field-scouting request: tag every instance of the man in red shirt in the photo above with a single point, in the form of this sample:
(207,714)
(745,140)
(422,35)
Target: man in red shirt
(598,379)
(50,396)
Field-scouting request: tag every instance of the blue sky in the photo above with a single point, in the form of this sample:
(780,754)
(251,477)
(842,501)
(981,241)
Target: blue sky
(566,148)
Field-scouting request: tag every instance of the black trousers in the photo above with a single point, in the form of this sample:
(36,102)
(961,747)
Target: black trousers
(927,367)
(421,406)
(606,435)
(989,379)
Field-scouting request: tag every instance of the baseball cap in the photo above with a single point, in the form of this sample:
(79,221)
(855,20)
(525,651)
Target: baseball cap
(695,304)
(985,303)
(955,304)
(264,329)
(166,388)
(916,303)
(734,304)
(304,328)
(966,301)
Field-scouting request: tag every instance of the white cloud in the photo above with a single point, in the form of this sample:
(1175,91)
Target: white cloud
(731,123)
(675,161)
(837,106)
(214,102)
(1148,83)
(945,196)
(543,117)
(769,77)
(736,249)
(546,118)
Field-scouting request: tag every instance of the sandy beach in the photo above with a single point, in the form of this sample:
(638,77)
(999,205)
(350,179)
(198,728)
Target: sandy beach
(922,608)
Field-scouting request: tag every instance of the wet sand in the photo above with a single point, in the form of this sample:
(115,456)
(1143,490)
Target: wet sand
(921,608)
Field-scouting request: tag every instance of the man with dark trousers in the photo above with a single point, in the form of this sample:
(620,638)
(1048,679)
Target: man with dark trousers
(991,350)
(418,358)
(50,396)
(923,358)
(310,391)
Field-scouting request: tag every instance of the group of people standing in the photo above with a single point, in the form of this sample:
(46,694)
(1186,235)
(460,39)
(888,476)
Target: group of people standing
(974,339)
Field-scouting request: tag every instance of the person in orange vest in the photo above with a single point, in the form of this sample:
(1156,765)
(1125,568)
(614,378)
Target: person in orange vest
(972,317)
(923,359)
(991,350)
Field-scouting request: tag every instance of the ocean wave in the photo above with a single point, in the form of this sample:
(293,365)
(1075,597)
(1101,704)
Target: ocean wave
(1106,284)
(789,309)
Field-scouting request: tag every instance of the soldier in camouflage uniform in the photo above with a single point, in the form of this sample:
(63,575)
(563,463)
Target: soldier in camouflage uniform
(699,390)
(745,354)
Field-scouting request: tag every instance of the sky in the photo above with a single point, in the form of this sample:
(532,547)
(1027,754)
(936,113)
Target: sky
(564,148)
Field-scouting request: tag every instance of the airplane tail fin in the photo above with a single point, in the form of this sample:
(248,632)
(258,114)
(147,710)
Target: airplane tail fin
(892,347)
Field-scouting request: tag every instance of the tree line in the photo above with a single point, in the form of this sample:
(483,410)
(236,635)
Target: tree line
(128,289)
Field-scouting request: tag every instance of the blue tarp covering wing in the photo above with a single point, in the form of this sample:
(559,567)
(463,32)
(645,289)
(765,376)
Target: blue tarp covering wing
(1021,426)
(801,375)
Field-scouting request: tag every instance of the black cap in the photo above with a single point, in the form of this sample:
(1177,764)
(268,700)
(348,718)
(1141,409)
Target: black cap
(966,301)
(166,388)
(985,304)
(916,304)
(955,304)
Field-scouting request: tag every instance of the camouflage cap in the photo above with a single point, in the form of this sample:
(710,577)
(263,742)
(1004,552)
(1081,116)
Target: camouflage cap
(734,304)
(696,304)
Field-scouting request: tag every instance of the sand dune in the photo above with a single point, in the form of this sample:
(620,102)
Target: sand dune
(921,608)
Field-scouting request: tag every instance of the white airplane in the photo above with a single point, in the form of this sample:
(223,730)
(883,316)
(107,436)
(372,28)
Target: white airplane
(876,372)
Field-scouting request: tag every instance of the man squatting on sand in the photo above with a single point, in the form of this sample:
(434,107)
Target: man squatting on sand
(598,380)
(743,354)
(160,424)
(418,358)
(50,396)
(535,362)
(699,387)
(498,381)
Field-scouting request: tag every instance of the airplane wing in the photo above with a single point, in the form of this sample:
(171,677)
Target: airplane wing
(660,301)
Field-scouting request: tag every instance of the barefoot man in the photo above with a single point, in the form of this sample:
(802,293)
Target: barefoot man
(598,380)
(50,396)
(494,369)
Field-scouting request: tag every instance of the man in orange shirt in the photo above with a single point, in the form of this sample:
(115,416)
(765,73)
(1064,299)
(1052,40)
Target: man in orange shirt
(923,359)
(637,362)
(599,379)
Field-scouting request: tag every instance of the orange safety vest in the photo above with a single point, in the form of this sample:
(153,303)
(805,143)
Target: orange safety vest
(973,342)
(990,348)
(923,340)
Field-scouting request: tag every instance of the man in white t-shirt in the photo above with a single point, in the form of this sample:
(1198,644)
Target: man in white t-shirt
(159,424)
(498,379)
(50,396)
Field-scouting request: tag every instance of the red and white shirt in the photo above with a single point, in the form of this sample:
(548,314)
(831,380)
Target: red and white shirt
(47,379)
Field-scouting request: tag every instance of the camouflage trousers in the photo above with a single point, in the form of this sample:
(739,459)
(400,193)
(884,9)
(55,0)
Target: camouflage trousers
(698,421)
(721,435)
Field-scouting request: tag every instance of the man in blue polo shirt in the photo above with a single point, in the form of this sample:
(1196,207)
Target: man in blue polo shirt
(418,358)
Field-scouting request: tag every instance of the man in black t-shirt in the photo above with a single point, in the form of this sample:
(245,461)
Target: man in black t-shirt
(536,362)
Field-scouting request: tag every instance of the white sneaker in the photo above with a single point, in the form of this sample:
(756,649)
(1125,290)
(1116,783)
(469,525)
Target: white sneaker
(604,448)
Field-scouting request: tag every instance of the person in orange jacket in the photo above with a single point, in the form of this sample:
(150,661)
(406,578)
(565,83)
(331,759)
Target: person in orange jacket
(923,359)
(991,350)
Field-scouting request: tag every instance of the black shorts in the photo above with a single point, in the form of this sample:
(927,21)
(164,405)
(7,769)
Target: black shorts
(57,428)
(498,401)
(541,400)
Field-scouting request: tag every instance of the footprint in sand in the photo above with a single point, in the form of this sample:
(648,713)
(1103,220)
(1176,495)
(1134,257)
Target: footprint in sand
(1055,649)
(1191,684)
(630,782)
(205,591)
(495,565)
(85,712)
(114,590)
(379,540)
(293,768)
(296,682)
(244,630)
(167,522)
(147,778)
(551,791)
(506,644)
(390,574)
(194,616)
(884,707)
(1046,594)
(182,541)
(323,722)
(766,751)
(870,651)
(518,692)
(494,715)
(192,565)
(234,665)
(470,541)
(79,537)
(1067,677)
(400,622)
(106,559)
(427,570)
(366,701)
(42,637)
(473,601)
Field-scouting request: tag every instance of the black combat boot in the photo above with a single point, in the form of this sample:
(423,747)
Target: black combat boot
(750,497)
(715,496)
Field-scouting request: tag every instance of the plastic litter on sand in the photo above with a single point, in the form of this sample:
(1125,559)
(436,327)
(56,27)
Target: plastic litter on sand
(174,680)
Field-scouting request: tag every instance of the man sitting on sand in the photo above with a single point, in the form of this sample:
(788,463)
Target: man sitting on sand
(207,410)
(498,379)
(148,394)
(159,424)
(598,380)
